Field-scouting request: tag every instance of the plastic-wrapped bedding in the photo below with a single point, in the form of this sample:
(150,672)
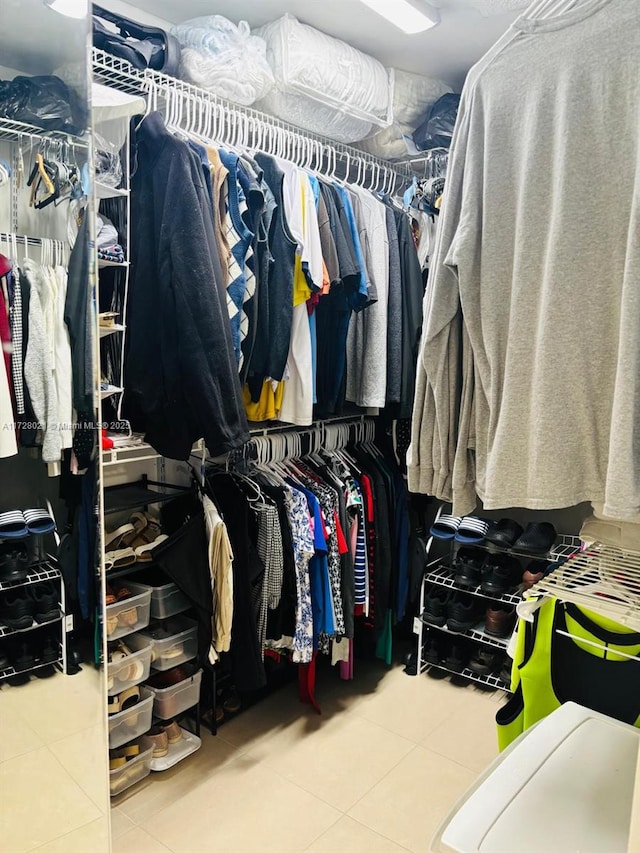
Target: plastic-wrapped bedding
(324,84)
(413,96)
(224,58)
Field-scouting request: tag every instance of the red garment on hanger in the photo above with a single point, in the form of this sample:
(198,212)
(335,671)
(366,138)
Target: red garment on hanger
(5,329)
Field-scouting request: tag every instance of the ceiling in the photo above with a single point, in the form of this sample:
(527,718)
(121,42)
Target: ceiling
(37,40)
(467,29)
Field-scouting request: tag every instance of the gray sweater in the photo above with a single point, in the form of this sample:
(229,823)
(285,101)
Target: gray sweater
(528,379)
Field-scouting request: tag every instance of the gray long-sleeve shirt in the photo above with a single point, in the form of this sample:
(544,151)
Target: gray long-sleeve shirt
(528,378)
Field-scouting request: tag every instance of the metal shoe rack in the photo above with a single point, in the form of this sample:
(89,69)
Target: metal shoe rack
(43,571)
(441,573)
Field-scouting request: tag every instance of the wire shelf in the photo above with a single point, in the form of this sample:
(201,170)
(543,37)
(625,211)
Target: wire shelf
(117,73)
(477,633)
(603,579)
(490,680)
(443,575)
(5,631)
(565,546)
(37,574)
(11,671)
(15,130)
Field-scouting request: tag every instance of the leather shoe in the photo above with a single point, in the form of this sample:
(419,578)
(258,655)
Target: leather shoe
(499,620)
(157,738)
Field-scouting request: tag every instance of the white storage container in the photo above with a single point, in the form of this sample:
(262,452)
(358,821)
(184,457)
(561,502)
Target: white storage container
(133,722)
(170,701)
(129,670)
(130,773)
(175,641)
(131,614)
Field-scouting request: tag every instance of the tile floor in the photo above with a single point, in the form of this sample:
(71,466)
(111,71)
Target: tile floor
(376,772)
(53,766)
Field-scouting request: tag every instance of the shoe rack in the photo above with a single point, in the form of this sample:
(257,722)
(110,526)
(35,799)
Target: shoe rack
(135,623)
(34,635)
(441,572)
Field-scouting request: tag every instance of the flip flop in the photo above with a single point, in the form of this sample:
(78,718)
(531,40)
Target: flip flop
(471,530)
(13,525)
(39,520)
(446,526)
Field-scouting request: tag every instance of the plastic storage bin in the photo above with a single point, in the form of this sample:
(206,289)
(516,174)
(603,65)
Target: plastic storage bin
(131,669)
(167,600)
(129,615)
(133,722)
(175,641)
(170,701)
(133,771)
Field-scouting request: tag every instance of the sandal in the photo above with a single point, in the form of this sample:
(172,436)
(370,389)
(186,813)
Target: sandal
(122,593)
(120,558)
(128,618)
(13,525)
(113,538)
(471,530)
(146,530)
(144,554)
(39,520)
(446,526)
(128,698)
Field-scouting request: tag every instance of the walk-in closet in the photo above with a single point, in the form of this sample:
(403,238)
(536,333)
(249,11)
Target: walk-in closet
(319,480)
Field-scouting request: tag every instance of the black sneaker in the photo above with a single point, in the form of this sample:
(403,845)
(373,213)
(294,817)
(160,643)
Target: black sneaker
(500,574)
(45,600)
(49,651)
(16,609)
(433,652)
(14,561)
(435,606)
(457,656)
(464,612)
(23,657)
(485,661)
(468,564)
(505,671)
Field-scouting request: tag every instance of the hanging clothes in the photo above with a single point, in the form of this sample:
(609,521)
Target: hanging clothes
(181,380)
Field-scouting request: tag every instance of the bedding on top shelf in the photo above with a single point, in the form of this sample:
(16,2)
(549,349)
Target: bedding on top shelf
(323,84)
(224,58)
(413,97)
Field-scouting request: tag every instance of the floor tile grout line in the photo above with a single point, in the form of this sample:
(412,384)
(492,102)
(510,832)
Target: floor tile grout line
(453,760)
(404,757)
(377,831)
(65,834)
(79,786)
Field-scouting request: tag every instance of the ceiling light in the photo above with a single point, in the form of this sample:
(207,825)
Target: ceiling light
(70,8)
(404,15)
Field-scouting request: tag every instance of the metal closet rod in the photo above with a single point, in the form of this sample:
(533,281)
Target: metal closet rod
(236,123)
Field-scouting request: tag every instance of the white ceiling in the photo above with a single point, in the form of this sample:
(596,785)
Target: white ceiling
(37,40)
(446,51)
